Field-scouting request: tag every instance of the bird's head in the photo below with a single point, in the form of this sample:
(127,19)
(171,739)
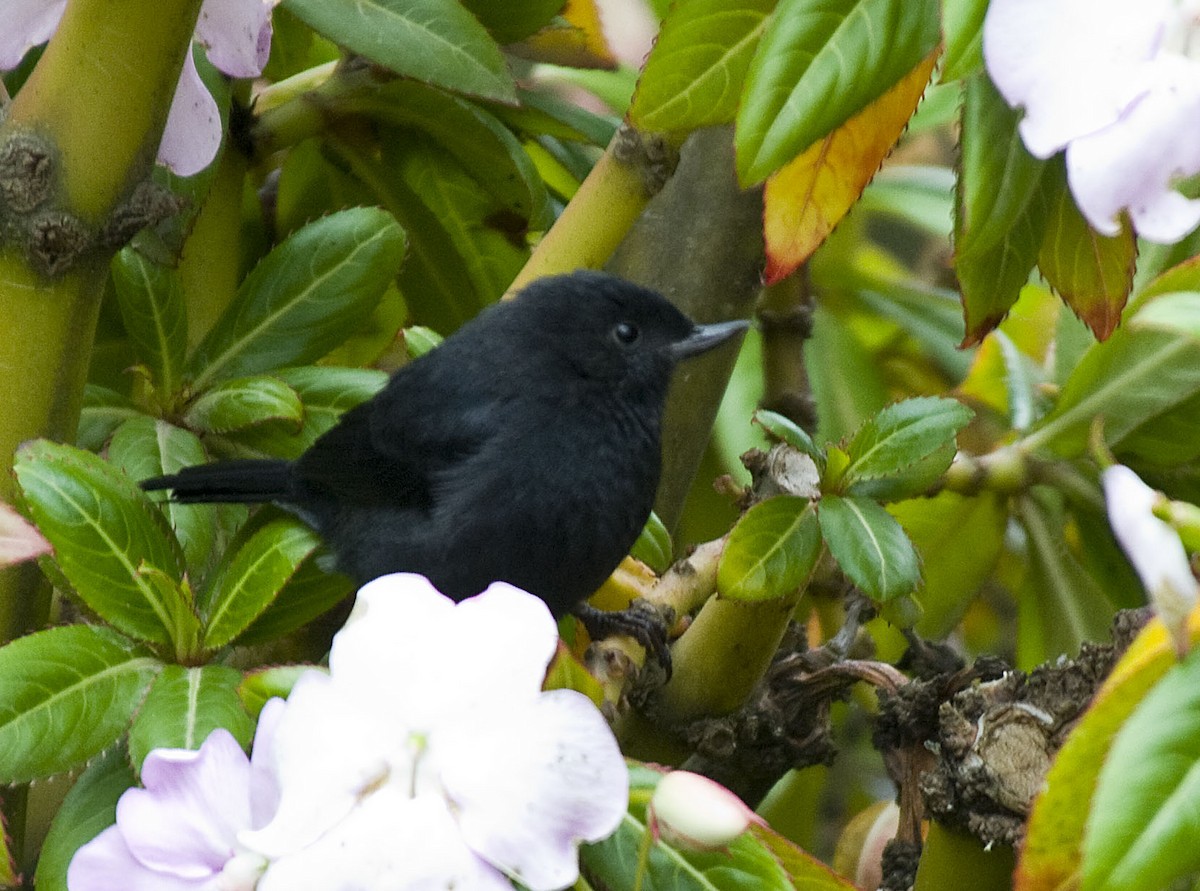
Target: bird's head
(614,332)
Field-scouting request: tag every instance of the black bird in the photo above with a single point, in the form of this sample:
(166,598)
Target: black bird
(524,448)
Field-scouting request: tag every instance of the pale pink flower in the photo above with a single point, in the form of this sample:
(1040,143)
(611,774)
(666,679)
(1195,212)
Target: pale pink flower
(236,35)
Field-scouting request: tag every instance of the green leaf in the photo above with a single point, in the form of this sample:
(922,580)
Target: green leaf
(305,297)
(870,546)
(903,434)
(1148,367)
(819,63)
(694,75)
(247,584)
(89,808)
(847,381)
(1060,604)
(104,410)
(933,317)
(653,546)
(434,283)
(999,178)
(950,854)
(66,694)
(489,256)
(919,478)
(309,593)
(145,447)
(962,22)
(771,551)
(150,299)
(1168,440)
(244,402)
(104,531)
(545,114)
(1143,821)
(435,41)
(419,340)
(326,392)
(919,195)
(959,540)
(264,684)
(999,215)
(184,706)
(786,430)
(485,148)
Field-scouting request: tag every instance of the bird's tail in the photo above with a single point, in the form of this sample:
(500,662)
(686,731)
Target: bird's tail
(241,481)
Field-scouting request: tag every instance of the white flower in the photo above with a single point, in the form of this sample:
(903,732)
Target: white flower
(429,757)
(1154,549)
(236,35)
(1115,83)
(180,831)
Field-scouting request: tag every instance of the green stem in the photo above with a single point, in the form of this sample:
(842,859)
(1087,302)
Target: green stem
(211,263)
(720,658)
(99,107)
(595,222)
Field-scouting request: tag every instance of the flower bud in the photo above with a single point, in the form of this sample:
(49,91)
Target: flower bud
(696,814)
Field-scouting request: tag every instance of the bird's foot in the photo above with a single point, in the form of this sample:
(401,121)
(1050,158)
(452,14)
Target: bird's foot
(641,621)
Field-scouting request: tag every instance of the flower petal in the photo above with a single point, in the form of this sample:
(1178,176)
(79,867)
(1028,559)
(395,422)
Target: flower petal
(236,34)
(1068,62)
(264,784)
(389,841)
(27,23)
(193,132)
(106,864)
(19,539)
(326,752)
(185,821)
(553,777)
(1133,163)
(486,653)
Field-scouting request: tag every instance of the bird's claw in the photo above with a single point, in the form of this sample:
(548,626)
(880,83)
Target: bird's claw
(641,621)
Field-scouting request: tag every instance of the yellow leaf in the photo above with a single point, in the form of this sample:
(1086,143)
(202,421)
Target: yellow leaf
(809,195)
(575,39)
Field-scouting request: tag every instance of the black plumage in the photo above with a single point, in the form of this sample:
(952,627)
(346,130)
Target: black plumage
(524,448)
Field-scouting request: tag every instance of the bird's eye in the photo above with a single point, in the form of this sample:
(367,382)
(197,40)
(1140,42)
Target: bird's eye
(626,333)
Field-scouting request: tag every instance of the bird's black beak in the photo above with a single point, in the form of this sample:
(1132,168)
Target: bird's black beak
(704,337)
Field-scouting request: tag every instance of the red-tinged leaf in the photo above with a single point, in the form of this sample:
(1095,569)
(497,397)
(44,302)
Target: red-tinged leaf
(1052,853)
(807,197)
(19,540)
(577,42)
(1093,273)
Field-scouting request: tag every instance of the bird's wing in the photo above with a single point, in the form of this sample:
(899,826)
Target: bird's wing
(343,464)
(390,450)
